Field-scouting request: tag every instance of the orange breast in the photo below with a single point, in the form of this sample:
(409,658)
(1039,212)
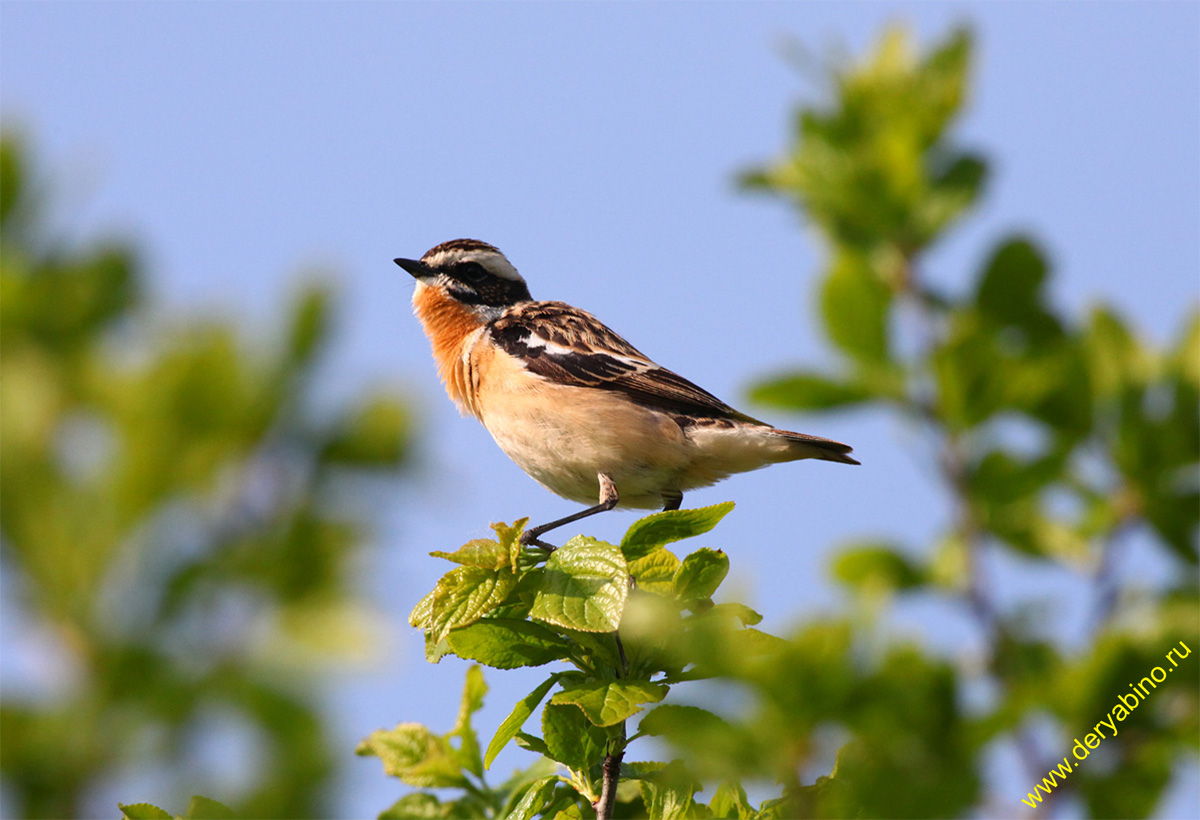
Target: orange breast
(450,327)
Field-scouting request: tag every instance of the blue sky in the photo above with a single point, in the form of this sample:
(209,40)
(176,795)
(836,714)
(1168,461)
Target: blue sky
(596,144)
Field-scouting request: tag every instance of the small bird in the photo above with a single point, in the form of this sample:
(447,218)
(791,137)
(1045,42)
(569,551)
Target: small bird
(577,407)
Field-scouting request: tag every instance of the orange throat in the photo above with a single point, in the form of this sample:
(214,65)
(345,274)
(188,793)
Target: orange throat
(450,327)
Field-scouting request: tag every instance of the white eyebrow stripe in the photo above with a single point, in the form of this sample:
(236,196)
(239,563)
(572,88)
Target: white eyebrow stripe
(497,264)
(493,262)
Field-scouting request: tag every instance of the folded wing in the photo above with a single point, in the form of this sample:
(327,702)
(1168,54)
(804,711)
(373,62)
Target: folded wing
(569,346)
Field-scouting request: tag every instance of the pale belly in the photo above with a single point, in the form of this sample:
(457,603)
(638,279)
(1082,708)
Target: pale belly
(566,443)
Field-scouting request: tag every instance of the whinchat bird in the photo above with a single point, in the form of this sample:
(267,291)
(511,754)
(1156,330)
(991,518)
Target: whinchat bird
(577,407)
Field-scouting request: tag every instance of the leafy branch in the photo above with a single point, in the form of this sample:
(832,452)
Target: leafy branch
(615,614)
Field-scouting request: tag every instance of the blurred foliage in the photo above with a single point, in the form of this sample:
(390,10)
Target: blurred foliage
(178,527)
(1061,443)
(1058,439)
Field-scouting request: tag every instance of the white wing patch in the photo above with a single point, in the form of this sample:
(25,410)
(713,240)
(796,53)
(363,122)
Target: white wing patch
(564,354)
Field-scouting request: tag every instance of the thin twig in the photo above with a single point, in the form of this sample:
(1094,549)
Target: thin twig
(612,760)
(953,467)
(623,672)
(612,777)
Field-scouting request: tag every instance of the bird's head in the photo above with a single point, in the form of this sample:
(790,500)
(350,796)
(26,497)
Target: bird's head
(472,273)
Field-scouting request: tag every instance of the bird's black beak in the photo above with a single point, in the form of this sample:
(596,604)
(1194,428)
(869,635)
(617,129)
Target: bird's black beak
(416,267)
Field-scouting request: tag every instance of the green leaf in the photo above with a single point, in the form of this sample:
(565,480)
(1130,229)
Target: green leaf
(204,808)
(808,391)
(510,539)
(667,794)
(971,375)
(659,529)
(419,617)
(655,572)
(435,650)
(700,574)
(827,797)
(479,552)
(998,477)
(672,719)
(12,187)
(415,755)
(854,306)
(571,738)
(1187,353)
(375,435)
(532,743)
(506,643)
(418,806)
(1115,356)
(535,797)
(608,702)
(729,802)
(466,594)
(516,719)
(474,690)
(514,787)
(941,81)
(599,648)
(640,769)
(1011,284)
(143,811)
(743,613)
(310,322)
(877,566)
(1010,291)
(953,190)
(584,587)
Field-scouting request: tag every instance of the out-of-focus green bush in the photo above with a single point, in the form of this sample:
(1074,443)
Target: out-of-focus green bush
(1057,438)
(178,526)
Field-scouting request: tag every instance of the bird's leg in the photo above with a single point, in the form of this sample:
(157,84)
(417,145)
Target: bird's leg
(672,499)
(608,500)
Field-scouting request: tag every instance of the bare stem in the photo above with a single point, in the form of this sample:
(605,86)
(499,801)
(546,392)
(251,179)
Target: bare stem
(612,776)
(616,751)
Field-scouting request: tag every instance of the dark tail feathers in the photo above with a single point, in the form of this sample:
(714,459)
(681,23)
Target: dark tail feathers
(817,447)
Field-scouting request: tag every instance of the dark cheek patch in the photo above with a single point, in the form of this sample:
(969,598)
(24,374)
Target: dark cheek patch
(494,293)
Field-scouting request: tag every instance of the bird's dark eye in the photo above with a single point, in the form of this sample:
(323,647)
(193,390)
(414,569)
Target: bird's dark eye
(470,271)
